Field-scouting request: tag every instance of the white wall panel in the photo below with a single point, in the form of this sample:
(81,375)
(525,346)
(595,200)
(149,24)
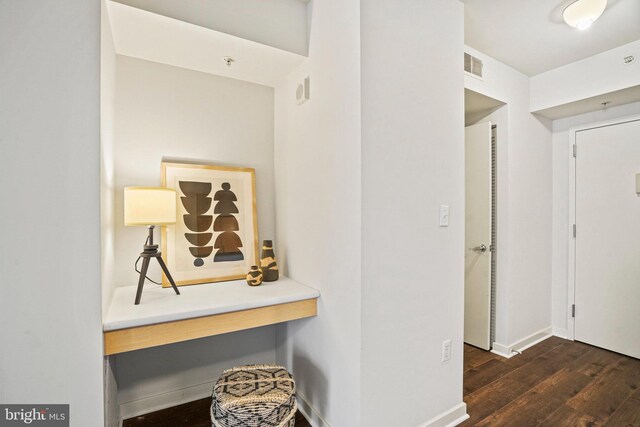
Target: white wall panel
(50,304)
(412,162)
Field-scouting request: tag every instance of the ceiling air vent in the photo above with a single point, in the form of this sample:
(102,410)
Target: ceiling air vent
(472,65)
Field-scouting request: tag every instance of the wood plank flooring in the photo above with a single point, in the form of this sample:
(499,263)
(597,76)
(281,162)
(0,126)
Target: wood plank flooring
(555,383)
(192,414)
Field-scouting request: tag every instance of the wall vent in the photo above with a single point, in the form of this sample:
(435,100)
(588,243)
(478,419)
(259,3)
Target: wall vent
(472,65)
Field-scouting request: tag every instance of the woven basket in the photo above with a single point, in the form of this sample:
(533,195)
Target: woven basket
(254,396)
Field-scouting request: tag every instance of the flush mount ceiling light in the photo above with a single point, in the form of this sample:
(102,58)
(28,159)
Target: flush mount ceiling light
(582,13)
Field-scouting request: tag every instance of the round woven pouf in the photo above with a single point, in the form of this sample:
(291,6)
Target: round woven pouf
(254,396)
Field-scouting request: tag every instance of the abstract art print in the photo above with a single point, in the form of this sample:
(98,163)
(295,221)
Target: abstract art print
(215,237)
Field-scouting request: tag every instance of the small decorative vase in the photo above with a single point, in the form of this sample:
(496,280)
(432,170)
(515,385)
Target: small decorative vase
(254,276)
(268,262)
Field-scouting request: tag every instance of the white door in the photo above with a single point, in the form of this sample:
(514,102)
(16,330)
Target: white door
(607,279)
(477,272)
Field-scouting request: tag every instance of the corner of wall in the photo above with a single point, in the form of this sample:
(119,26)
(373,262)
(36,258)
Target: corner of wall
(107,190)
(317,175)
(111,409)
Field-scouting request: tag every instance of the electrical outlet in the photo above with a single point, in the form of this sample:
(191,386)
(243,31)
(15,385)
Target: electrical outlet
(446,350)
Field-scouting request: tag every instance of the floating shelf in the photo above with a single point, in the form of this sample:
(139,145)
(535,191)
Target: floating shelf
(200,311)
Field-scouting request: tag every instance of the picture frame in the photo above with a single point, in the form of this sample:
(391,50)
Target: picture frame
(215,237)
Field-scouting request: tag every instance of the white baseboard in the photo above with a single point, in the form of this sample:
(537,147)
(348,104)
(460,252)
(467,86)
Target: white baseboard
(532,340)
(502,350)
(165,400)
(509,351)
(310,413)
(449,418)
(560,332)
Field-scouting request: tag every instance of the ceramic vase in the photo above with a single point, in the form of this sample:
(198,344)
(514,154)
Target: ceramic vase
(254,276)
(268,262)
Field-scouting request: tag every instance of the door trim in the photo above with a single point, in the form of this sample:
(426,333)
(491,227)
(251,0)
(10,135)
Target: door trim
(571,264)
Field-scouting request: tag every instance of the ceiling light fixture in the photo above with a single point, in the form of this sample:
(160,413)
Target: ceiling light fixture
(582,13)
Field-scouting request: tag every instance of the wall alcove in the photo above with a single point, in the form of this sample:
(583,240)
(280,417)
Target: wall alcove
(167,94)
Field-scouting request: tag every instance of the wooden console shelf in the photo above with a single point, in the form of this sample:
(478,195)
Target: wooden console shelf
(201,311)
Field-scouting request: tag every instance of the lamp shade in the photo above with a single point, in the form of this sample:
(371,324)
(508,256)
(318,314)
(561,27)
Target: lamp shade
(582,13)
(149,206)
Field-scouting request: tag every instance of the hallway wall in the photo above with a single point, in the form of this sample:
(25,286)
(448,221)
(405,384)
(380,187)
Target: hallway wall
(412,162)
(50,304)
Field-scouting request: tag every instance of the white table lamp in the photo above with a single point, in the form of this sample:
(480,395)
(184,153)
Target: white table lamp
(150,206)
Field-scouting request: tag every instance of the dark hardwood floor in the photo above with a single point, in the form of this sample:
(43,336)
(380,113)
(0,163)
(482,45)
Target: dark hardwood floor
(555,383)
(192,414)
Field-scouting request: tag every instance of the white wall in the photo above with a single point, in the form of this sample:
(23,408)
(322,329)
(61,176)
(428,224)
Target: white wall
(561,221)
(524,207)
(107,195)
(165,112)
(107,143)
(50,302)
(170,113)
(317,160)
(277,23)
(412,162)
(596,75)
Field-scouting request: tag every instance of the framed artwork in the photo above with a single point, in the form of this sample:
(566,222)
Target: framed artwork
(215,237)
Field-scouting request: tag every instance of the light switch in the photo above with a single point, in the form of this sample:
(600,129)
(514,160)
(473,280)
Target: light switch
(302,91)
(444,215)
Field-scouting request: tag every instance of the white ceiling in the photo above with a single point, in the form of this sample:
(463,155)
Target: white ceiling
(145,35)
(277,23)
(530,35)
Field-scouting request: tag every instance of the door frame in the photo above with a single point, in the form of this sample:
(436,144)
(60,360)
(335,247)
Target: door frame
(571,264)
